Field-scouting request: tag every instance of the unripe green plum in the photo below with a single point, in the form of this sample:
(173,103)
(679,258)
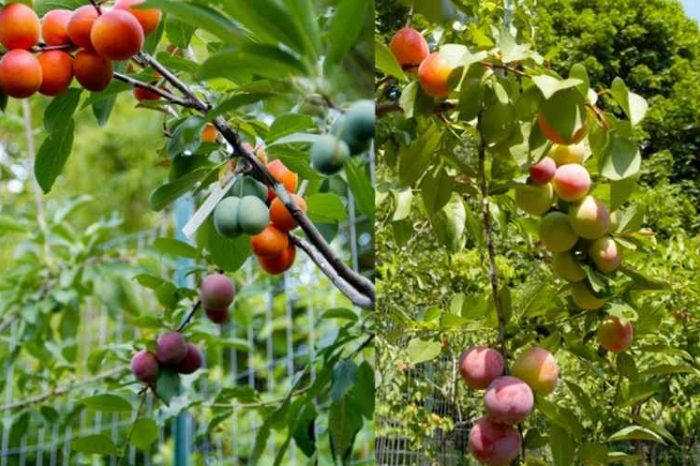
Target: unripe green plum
(584,298)
(613,336)
(566,267)
(249,186)
(328,154)
(479,366)
(535,199)
(493,443)
(253,215)
(571,182)
(360,120)
(144,366)
(509,400)
(538,368)
(193,360)
(341,129)
(217,291)
(171,348)
(556,232)
(590,218)
(226,217)
(605,254)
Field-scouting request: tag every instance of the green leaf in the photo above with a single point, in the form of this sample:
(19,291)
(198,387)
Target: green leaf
(562,446)
(472,92)
(95,445)
(326,208)
(176,248)
(264,60)
(59,112)
(102,109)
(550,85)
(497,119)
(620,191)
(344,31)
(200,16)
(168,385)
(361,186)
(623,312)
(449,224)
(145,433)
(165,194)
(435,10)
(304,433)
(510,50)
(344,422)
(415,158)
(594,454)
(436,190)
(419,350)
(344,378)
(404,201)
(578,71)
(621,159)
(288,123)
(52,156)
(228,253)
(178,32)
(234,102)
(635,433)
(340,313)
(107,403)
(634,106)
(386,62)
(297,138)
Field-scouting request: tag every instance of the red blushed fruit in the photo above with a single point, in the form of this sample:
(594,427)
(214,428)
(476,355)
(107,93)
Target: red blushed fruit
(54,27)
(494,444)
(217,316)
(434,74)
(279,264)
(217,291)
(193,360)
(20,74)
(144,366)
(615,337)
(409,47)
(284,175)
(57,70)
(479,366)
(149,18)
(571,182)
(142,94)
(80,26)
(171,348)
(92,71)
(280,216)
(509,400)
(117,35)
(19,27)
(543,171)
(270,242)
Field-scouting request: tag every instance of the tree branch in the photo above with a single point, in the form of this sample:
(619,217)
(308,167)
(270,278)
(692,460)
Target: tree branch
(155,89)
(190,315)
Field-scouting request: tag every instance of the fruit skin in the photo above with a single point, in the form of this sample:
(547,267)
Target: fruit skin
(533,198)
(253,215)
(54,27)
(20,74)
(148,18)
(613,336)
(590,218)
(209,133)
(248,186)
(605,254)
(144,366)
(538,368)
(584,298)
(19,27)
(80,26)
(553,135)
(409,47)
(341,130)
(480,365)
(493,443)
(270,242)
(434,74)
(193,360)
(217,291)
(142,94)
(117,35)
(280,216)
(508,400)
(276,265)
(92,71)
(543,171)
(328,155)
(556,232)
(360,120)
(57,72)
(171,348)
(283,175)
(566,267)
(563,155)
(226,217)
(218,316)
(571,182)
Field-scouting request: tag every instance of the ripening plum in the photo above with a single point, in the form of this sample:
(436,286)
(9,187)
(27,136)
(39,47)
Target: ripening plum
(590,218)
(57,72)
(584,298)
(80,26)
(253,215)
(543,171)
(171,348)
(434,75)
(193,360)
(20,74)
(509,400)
(226,217)
(284,175)
(563,155)
(538,368)
(613,336)
(209,133)
(341,130)
(409,47)
(142,94)
(249,186)
(479,366)
(148,18)
(117,35)
(571,182)
(605,254)
(566,267)
(92,71)
(328,154)
(535,199)
(54,27)
(218,316)
(493,443)
(269,242)
(217,291)
(144,366)
(276,265)
(550,132)
(280,216)
(19,27)
(556,232)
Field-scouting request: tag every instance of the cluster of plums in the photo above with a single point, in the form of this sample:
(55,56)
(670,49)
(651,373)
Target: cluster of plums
(350,135)
(253,209)
(412,51)
(81,44)
(172,352)
(508,399)
(576,228)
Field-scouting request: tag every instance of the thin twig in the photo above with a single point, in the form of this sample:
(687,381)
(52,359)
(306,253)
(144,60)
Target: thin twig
(155,89)
(190,315)
(143,395)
